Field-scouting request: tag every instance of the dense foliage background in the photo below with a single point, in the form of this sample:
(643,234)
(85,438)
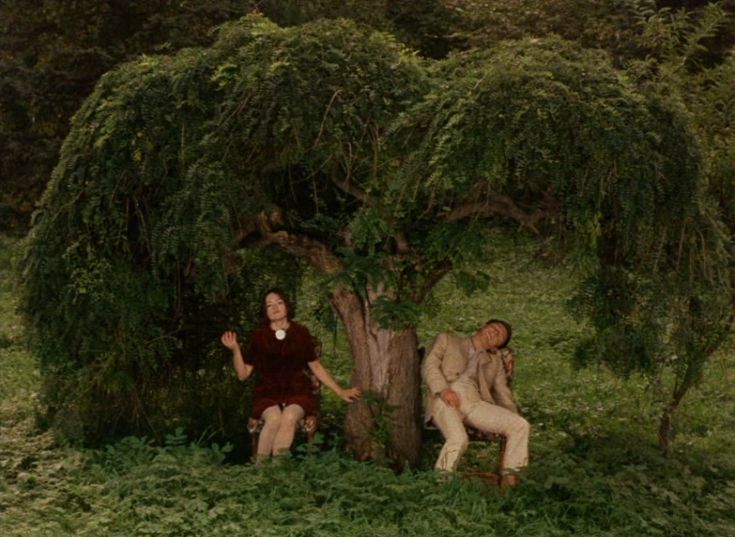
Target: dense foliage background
(382,171)
(620,156)
(51,55)
(594,471)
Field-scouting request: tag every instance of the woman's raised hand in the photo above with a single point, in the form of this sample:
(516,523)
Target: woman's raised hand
(229,340)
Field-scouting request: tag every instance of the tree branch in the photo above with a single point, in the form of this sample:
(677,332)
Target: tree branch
(345,186)
(349,188)
(432,278)
(315,252)
(504,205)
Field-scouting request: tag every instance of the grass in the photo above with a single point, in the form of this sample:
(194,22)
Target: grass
(595,469)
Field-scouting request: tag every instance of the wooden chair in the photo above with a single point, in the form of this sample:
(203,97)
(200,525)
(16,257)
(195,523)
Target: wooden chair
(476,435)
(308,424)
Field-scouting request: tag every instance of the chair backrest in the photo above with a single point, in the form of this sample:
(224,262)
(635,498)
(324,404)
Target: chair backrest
(315,384)
(509,364)
(506,354)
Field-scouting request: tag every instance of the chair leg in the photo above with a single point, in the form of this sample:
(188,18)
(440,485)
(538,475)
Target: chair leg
(501,455)
(310,428)
(254,444)
(310,442)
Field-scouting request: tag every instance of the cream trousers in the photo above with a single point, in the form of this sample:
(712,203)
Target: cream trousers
(481,415)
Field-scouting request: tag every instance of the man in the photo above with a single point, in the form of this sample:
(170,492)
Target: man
(467,384)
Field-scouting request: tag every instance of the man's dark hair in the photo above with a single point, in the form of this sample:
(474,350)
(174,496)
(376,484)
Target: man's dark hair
(508,329)
(290,309)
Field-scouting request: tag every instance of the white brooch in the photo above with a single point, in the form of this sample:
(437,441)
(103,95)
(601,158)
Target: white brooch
(280,334)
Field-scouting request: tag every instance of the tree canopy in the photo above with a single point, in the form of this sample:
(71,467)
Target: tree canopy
(189,180)
(53,51)
(159,240)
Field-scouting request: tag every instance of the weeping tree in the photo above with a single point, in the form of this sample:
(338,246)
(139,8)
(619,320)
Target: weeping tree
(691,60)
(178,174)
(187,179)
(547,134)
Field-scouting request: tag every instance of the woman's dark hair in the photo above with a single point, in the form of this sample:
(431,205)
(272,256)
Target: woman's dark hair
(508,329)
(290,309)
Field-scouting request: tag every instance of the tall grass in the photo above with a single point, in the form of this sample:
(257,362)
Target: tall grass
(595,469)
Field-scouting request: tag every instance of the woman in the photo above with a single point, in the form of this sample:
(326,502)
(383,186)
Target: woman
(279,350)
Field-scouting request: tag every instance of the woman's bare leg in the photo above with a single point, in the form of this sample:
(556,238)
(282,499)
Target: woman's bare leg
(273,418)
(284,438)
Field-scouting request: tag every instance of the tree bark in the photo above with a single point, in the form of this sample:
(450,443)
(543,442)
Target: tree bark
(385,423)
(667,416)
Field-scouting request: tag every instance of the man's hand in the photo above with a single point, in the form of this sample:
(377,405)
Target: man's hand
(450,397)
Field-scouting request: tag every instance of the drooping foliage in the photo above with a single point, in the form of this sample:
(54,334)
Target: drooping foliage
(51,54)
(688,66)
(53,51)
(545,124)
(132,259)
(336,145)
(706,86)
(553,126)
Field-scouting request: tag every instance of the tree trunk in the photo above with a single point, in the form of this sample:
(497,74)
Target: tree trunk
(667,416)
(385,423)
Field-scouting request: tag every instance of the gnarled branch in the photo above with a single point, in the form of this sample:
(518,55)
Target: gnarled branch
(314,251)
(402,245)
(350,188)
(432,278)
(504,205)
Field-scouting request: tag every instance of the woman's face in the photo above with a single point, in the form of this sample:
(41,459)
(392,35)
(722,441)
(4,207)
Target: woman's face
(275,307)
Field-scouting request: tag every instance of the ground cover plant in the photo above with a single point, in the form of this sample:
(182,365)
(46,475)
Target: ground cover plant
(595,467)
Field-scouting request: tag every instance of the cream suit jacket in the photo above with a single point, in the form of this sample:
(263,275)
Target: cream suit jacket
(447,360)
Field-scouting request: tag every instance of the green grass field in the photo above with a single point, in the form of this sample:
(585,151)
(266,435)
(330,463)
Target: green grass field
(595,469)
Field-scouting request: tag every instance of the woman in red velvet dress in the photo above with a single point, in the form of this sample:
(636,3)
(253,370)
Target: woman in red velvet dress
(279,350)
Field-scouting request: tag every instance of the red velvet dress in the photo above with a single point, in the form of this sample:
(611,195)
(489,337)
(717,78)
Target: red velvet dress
(280,368)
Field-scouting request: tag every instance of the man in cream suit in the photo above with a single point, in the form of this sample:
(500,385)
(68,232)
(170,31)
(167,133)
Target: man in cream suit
(467,384)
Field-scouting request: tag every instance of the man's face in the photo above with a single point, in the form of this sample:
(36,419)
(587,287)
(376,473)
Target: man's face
(493,335)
